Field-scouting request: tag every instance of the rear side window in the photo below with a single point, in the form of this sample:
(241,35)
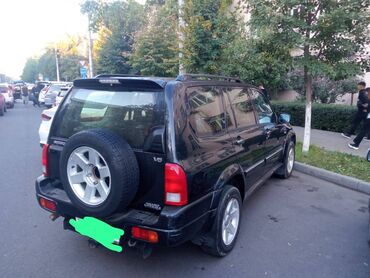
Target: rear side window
(132,114)
(55,88)
(241,106)
(263,109)
(206,111)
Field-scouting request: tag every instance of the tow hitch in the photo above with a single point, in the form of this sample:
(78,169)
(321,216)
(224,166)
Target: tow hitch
(144,249)
(54,216)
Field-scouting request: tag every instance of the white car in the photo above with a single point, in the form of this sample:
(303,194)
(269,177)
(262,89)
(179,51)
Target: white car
(46,120)
(8,95)
(63,92)
(42,95)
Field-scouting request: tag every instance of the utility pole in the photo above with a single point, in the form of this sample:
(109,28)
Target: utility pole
(91,66)
(181,36)
(57,55)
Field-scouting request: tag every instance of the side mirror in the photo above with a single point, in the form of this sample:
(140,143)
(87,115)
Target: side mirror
(284,118)
(368,155)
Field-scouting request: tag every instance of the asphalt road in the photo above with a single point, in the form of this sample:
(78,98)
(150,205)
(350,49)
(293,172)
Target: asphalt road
(302,227)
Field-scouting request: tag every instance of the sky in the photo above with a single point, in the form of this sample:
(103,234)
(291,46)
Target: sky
(28,26)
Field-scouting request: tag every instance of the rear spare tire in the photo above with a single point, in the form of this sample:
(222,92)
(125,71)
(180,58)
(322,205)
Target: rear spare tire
(99,172)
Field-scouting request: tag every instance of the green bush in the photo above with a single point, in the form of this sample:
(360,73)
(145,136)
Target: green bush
(329,117)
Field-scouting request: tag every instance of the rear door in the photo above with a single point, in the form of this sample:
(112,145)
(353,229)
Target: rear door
(247,136)
(272,133)
(131,110)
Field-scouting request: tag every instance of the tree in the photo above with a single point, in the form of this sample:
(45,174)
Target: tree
(332,35)
(47,66)
(256,63)
(156,44)
(120,20)
(210,25)
(70,56)
(30,70)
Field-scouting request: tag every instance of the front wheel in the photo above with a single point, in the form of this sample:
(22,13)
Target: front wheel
(286,170)
(221,240)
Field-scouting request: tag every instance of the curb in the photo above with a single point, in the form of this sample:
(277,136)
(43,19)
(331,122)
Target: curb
(345,181)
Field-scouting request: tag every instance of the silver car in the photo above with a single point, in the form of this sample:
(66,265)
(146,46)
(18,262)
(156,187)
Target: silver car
(52,93)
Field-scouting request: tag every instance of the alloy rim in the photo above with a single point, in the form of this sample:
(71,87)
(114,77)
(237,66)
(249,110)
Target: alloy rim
(230,221)
(89,176)
(290,160)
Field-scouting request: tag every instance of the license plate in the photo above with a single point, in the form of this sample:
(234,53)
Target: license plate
(98,230)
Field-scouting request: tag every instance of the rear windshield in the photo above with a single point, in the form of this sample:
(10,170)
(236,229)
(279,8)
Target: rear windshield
(55,88)
(134,115)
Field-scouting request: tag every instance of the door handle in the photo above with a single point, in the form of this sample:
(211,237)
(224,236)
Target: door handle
(239,141)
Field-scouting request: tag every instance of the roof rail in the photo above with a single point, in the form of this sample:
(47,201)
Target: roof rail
(192,77)
(115,75)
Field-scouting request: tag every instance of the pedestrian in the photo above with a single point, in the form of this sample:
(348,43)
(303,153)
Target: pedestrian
(365,130)
(25,94)
(35,97)
(361,114)
(264,91)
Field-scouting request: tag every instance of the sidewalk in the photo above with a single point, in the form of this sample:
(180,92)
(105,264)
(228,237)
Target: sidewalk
(332,141)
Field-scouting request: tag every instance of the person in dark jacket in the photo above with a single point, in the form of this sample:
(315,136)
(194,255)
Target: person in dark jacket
(264,91)
(35,96)
(365,130)
(25,94)
(361,114)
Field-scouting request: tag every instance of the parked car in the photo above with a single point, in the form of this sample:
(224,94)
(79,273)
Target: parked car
(62,93)
(2,105)
(46,119)
(52,93)
(6,91)
(17,93)
(165,160)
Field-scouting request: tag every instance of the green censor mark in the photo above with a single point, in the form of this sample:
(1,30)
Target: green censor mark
(101,232)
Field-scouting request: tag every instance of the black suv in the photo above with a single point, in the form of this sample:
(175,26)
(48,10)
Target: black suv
(165,160)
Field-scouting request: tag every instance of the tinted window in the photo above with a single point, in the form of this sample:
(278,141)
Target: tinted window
(263,109)
(55,88)
(63,92)
(241,106)
(133,115)
(206,113)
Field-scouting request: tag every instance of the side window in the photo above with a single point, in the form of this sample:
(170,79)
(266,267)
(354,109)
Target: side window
(241,106)
(206,111)
(263,109)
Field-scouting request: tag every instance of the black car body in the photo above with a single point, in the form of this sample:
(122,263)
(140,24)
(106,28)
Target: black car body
(204,133)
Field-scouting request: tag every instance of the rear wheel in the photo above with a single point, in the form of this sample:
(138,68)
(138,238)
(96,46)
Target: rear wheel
(221,240)
(286,170)
(2,110)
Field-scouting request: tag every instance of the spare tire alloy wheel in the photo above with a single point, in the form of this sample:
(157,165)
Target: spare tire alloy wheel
(89,175)
(99,172)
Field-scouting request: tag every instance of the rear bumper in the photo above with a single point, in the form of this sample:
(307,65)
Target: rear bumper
(174,225)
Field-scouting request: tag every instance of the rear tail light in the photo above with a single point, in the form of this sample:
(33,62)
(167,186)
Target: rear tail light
(175,185)
(48,204)
(144,234)
(45,160)
(45,117)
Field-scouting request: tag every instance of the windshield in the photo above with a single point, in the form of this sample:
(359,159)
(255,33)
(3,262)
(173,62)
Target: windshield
(133,115)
